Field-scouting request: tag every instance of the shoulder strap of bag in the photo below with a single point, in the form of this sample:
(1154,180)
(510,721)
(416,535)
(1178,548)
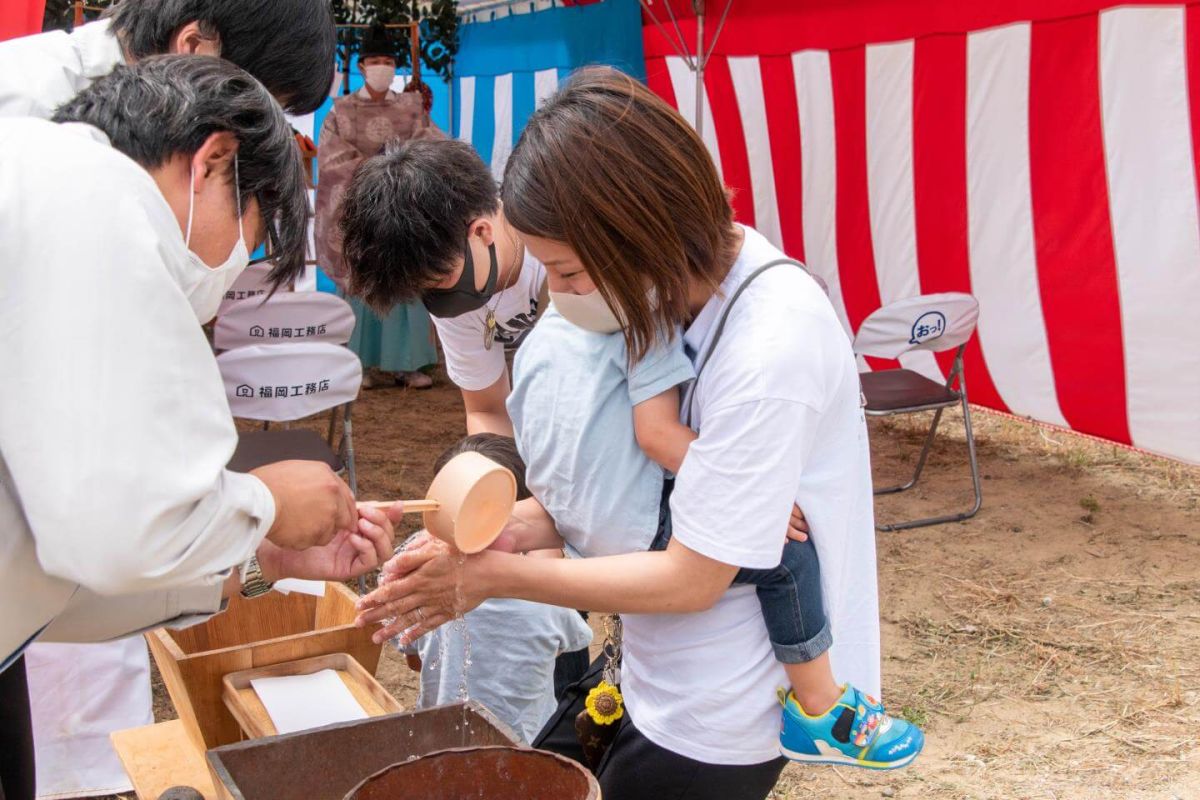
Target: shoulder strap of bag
(720,329)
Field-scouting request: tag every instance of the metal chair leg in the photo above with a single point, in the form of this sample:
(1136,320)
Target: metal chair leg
(937,417)
(346,453)
(974,462)
(333,418)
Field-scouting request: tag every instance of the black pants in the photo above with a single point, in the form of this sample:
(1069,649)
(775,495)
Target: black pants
(16,735)
(637,768)
(568,667)
(558,734)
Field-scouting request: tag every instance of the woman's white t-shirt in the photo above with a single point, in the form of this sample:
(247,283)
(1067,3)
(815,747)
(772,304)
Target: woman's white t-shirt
(470,364)
(780,421)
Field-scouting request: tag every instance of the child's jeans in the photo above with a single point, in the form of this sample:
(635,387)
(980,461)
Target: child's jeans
(790,594)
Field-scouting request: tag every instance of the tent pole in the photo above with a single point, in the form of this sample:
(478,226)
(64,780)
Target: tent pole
(698,5)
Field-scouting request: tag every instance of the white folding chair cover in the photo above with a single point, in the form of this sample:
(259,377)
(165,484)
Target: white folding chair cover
(933,322)
(284,382)
(284,318)
(251,283)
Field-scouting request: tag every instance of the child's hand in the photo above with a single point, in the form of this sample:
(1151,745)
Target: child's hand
(797,526)
(505,543)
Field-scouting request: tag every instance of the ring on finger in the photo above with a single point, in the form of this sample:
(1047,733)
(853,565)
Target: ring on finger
(421,614)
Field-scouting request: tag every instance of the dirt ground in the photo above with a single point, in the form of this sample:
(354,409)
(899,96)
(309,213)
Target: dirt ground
(1050,647)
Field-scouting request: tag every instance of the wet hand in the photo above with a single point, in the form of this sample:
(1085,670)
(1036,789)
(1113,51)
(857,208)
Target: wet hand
(421,588)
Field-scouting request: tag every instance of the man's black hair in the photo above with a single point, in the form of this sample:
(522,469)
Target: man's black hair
(405,215)
(169,105)
(289,45)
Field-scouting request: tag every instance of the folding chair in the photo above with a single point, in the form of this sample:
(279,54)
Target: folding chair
(288,382)
(285,318)
(932,322)
(252,283)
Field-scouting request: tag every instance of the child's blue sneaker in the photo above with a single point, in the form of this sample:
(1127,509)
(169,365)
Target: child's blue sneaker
(856,732)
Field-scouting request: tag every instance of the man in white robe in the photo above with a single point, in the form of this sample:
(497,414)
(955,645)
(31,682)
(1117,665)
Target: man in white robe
(116,511)
(289,46)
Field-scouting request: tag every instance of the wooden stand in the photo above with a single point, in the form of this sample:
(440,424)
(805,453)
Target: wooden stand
(246,707)
(254,633)
(160,756)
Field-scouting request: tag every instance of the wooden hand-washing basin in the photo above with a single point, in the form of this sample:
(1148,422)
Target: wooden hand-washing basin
(497,773)
(326,763)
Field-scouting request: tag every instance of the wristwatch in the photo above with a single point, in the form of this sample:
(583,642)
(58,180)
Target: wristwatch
(253,583)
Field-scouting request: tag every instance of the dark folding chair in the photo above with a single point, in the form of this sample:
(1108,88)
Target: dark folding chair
(934,322)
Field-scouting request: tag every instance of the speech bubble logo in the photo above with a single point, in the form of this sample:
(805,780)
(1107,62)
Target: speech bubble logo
(929,326)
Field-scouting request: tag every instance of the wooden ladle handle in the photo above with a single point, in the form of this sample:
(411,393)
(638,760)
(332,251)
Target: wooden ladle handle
(410,506)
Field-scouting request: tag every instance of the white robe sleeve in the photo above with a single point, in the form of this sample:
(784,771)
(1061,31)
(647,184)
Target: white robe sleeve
(113,419)
(90,617)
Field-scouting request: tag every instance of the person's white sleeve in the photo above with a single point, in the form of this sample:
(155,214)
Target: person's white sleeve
(663,367)
(469,364)
(734,492)
(113,419)
(89,617)
(30,82)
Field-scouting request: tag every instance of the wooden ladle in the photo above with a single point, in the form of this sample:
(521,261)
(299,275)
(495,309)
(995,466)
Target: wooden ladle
(468,503)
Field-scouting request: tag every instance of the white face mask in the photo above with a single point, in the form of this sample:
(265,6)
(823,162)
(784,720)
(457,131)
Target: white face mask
(379,76)
(209,284)
(589,311)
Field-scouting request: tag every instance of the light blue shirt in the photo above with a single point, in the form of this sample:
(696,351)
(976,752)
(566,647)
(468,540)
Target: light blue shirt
(505,649)
(572,411)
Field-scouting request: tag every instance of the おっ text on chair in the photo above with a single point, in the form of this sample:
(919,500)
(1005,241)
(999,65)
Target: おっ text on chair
(934,322)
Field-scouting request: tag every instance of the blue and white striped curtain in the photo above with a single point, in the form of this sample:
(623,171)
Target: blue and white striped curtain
(493,110)
(508,65)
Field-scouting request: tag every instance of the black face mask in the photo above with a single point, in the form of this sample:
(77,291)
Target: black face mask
(464,297)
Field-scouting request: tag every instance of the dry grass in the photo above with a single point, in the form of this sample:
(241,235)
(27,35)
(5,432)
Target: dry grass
(1052,644)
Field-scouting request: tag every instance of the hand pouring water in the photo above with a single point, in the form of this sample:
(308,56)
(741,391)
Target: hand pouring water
(468,504)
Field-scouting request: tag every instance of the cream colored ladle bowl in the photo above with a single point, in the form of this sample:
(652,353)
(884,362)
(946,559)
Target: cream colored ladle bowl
(469,502)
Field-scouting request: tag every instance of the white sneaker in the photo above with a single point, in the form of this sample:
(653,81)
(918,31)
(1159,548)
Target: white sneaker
(414,380)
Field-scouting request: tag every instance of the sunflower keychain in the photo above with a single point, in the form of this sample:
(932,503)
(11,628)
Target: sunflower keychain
(596,726)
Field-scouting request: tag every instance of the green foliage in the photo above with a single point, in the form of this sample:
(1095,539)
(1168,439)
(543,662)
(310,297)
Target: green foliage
(916,715)
(438,20)
(439,37)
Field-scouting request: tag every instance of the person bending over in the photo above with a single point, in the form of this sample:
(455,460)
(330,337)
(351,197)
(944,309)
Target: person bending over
(288,45)
(117,512)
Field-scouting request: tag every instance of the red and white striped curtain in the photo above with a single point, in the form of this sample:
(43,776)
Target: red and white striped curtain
(20,17)
(1041,156)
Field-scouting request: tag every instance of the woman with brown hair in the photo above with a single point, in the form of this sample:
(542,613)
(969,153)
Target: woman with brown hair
(618,197)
